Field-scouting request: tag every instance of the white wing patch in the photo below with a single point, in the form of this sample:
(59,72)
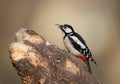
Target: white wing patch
(78,42)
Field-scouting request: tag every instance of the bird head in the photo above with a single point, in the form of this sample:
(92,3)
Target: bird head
(67,29)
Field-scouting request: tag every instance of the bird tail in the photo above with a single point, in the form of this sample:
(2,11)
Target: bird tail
(94,61)
(88,66)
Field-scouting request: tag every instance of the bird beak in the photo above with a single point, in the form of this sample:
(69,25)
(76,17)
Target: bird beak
(59,26)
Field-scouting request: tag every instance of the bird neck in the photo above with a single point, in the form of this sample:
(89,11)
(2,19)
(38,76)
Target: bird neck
(67,34)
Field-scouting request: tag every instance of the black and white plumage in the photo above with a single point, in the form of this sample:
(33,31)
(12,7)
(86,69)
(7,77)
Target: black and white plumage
(76,44)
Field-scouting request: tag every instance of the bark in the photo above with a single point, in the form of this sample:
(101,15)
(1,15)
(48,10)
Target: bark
(38,62)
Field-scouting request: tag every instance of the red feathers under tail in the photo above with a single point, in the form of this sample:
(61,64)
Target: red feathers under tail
(86,61)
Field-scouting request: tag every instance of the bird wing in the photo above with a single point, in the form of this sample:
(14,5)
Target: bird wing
(80,38)
(77,41)
(79,44)
(74,43)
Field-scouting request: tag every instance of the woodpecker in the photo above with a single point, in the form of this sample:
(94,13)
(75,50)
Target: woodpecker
(76,45)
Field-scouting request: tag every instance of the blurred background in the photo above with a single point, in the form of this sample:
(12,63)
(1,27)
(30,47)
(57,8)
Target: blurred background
(97,21)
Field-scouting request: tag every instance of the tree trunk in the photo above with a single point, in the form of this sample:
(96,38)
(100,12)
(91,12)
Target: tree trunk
(38,62)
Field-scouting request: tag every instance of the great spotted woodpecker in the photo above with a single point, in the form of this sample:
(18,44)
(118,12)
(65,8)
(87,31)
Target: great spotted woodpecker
(76,45)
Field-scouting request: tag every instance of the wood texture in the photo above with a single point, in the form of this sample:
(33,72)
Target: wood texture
(38,62)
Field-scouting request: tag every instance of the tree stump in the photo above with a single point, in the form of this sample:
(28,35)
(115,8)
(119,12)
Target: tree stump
(38,62)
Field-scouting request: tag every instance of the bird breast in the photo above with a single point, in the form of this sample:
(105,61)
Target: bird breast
(70,47)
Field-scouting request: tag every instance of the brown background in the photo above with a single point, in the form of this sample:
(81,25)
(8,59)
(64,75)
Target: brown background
(96,20)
